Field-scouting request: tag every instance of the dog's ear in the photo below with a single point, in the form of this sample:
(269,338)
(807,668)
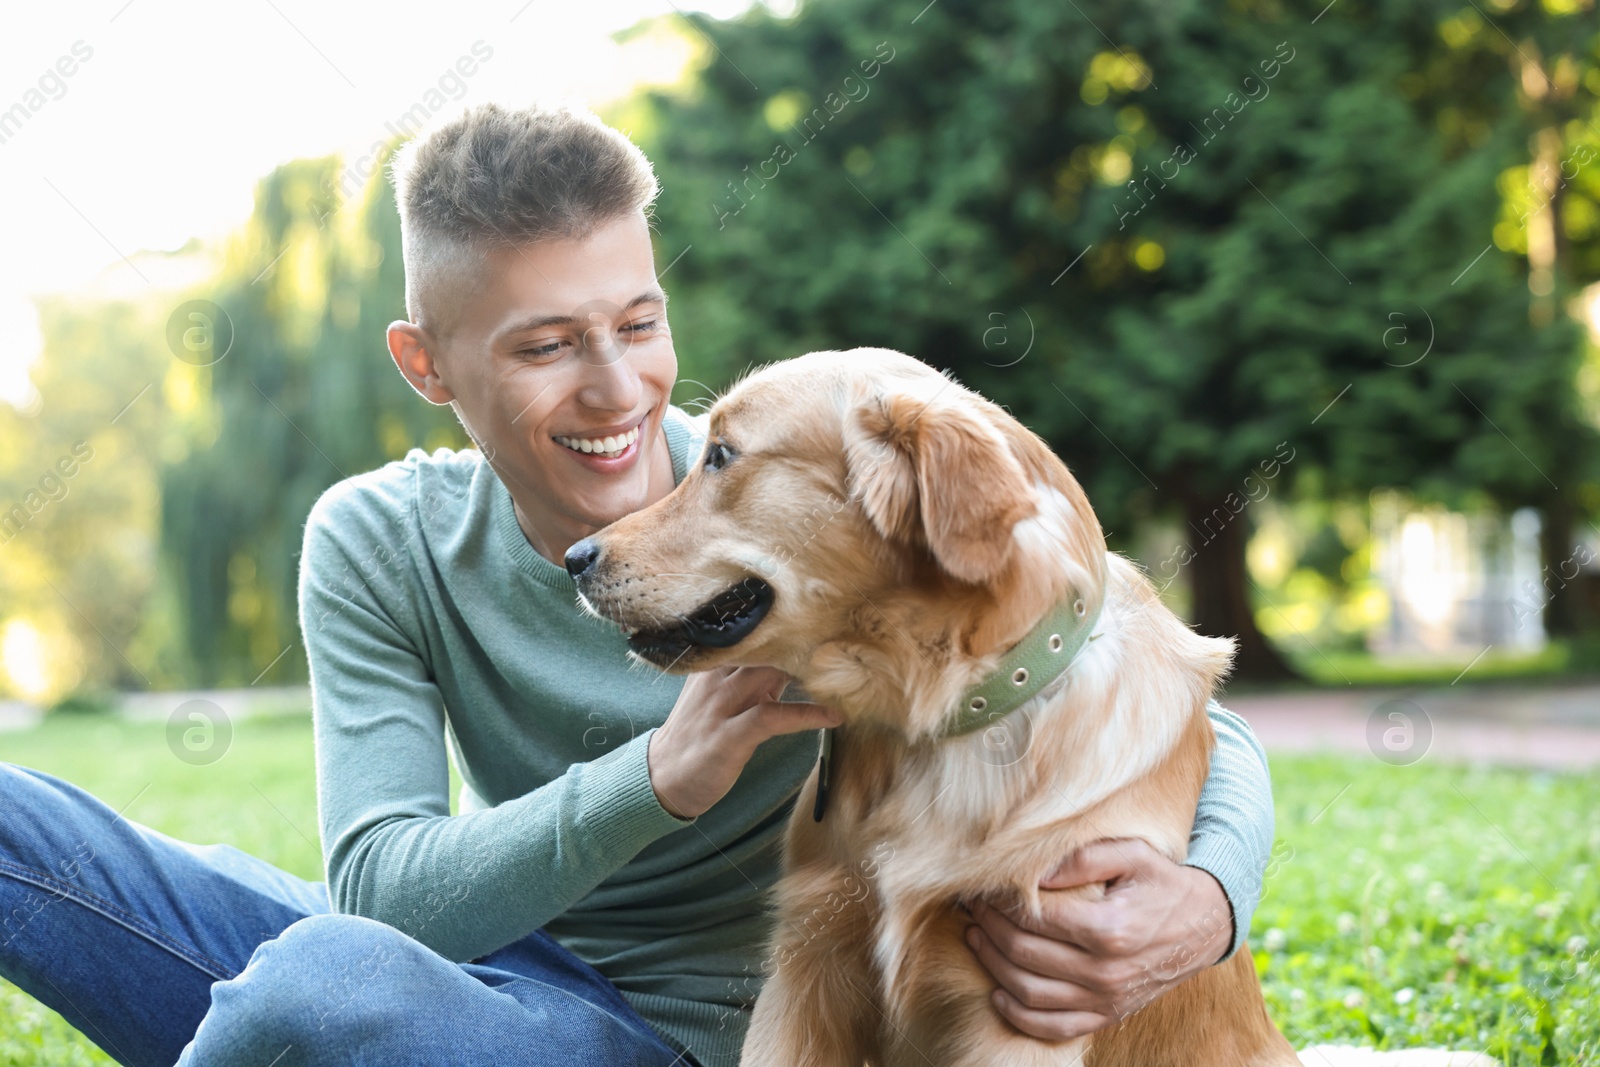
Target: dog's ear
(933,470)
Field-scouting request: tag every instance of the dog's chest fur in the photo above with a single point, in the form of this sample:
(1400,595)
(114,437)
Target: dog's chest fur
(923,827)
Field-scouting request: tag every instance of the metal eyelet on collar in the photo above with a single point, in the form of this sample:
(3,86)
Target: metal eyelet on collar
(1058,637)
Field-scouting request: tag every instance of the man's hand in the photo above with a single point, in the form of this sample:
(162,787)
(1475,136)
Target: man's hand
(720,717)
(1090,962)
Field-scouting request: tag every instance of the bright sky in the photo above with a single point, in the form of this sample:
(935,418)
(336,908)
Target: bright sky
(161,133)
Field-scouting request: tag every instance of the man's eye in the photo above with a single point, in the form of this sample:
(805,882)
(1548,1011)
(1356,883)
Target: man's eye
(644,327)
(717,456)
(542,350)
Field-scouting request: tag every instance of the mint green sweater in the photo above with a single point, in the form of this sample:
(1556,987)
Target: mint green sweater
(434,631)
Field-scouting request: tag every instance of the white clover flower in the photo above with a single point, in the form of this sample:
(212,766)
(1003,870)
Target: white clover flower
(1405,995)
(1274,940)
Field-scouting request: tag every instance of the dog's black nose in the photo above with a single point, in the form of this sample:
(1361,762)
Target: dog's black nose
(581,556)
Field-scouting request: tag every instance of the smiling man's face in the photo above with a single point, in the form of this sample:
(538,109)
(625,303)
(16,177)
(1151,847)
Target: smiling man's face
(555,347)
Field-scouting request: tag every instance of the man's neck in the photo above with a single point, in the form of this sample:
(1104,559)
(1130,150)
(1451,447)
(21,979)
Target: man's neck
(546,541)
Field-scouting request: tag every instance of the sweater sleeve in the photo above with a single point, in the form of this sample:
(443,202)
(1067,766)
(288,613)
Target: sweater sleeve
(1233,824)
(464,885)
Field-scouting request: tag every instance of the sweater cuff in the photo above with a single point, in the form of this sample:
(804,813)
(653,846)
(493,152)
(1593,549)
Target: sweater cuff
(1226,860)
(617,802)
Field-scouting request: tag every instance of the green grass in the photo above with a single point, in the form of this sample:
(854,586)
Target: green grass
(1434,905)
(1557,662)
(1405,905)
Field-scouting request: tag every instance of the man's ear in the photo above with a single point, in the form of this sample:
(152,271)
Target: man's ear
(412,350)
(935,472)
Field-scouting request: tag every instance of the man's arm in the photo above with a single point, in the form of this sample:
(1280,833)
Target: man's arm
(1092,962)
(464,885)
(1234,823)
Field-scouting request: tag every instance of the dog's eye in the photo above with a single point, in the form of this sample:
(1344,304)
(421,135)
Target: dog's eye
(717,456)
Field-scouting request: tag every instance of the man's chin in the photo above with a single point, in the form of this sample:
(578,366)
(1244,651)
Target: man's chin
(602,509)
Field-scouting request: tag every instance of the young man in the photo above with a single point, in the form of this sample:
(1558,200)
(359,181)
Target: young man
(600,897)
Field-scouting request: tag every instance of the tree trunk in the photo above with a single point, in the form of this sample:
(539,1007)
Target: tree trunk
(1218,583)
(1563,610)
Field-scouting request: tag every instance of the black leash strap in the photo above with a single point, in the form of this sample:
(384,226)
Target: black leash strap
(824,759)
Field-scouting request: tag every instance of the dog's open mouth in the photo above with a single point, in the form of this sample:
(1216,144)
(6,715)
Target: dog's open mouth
(722,622)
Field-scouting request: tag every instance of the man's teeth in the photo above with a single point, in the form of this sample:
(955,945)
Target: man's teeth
(610,447)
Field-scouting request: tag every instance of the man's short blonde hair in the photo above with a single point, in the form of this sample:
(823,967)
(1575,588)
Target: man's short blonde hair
(494,177)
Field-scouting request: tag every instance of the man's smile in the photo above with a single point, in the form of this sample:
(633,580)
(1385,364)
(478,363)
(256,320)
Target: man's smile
(610,450)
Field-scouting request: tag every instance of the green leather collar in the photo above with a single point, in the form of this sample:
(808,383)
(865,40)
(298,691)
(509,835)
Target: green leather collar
(1042,656)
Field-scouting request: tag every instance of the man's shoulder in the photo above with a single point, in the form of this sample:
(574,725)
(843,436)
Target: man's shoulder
(686,434)
(388,499)
(701,422)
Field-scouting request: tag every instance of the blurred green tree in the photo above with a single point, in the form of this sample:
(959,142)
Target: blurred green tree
(305,396)
(1550,216)
(1200,248)
(78,506)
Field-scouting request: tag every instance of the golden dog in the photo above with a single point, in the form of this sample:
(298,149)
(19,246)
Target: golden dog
(886,537)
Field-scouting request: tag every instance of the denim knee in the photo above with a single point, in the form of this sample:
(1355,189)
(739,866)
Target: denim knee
(325,979)
(43,822)
(22,790)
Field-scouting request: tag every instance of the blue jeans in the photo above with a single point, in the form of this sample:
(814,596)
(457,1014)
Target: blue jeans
(163,952)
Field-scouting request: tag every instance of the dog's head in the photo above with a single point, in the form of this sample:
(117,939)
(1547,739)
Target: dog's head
(840,494)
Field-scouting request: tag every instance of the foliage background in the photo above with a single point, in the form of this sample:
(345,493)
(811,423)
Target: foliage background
(1176,275)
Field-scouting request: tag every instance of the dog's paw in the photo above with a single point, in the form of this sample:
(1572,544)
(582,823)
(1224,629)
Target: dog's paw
(1350,1056)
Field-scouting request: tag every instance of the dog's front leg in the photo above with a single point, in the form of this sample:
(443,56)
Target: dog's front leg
(818,1004)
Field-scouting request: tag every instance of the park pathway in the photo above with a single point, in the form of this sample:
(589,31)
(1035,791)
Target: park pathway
(1550,725)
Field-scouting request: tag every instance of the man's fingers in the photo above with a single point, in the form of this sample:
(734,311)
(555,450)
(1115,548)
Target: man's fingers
(1098,861)
(1043,953)
(1096,927)
(1048,1025)
(1028,987)
(1074,934)
(792,716)
(743,688)
(762,682)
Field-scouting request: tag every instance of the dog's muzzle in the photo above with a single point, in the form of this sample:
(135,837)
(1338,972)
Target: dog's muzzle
(721,622)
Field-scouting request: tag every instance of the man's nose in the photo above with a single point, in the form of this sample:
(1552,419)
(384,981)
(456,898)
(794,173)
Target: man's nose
(611,379)
(581,556)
